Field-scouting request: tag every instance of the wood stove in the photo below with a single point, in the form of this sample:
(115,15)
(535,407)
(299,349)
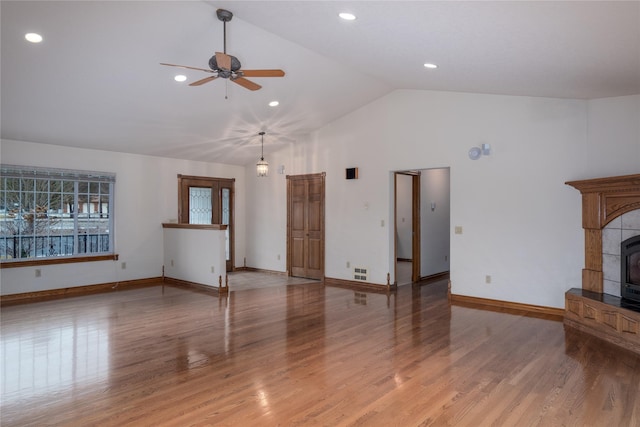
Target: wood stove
(630,269)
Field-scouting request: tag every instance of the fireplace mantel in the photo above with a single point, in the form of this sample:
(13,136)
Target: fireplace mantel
(603,200)
(589,310)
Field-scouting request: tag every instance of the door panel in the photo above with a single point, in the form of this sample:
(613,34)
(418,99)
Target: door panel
(226,216)
(305,230)
(314,254)
(297,257)
(192,192)
(200,205)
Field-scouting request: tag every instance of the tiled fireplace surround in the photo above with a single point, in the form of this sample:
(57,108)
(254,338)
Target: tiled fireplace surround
(617,231)
(610,215)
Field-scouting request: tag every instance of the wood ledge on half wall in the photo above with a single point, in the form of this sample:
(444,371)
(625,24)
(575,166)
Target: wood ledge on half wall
(194,226)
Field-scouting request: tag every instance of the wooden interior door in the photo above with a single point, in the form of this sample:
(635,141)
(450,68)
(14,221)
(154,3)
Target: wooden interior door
(415,224)
(305,226)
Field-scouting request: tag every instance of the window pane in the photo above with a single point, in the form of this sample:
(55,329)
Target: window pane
(200,211)
(226,200)
(46,217)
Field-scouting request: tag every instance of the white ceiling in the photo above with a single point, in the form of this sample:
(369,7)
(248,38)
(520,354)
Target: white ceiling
(95,81)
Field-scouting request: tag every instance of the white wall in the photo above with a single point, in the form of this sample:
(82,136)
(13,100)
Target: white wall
(613,146)
(404,215)
(267,229)
(197,256)
(521,223)
(146,195)
(434,224)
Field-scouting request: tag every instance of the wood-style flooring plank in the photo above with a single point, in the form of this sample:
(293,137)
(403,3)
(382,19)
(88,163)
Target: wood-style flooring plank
(303,354)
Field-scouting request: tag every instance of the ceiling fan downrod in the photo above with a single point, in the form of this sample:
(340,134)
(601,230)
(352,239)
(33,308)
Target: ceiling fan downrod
(225,16)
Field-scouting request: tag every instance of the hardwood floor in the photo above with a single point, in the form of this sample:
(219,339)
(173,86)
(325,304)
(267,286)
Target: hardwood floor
(303,355)
(244,280)
(403,272)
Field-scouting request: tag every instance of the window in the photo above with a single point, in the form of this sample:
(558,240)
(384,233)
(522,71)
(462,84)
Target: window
(52,213)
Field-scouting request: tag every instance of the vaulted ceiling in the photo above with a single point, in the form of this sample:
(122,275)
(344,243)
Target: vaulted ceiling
(95,81)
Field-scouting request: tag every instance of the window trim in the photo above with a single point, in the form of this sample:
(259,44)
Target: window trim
(59,260)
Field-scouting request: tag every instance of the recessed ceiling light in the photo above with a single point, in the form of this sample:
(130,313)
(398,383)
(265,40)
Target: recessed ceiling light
(274,104)
(180,78)
(430,66)
(347,16)
(33,37)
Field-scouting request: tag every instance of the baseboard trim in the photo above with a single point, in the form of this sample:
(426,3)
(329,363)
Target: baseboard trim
(359,286)
(508,307)
(261,270)
(434,277)
(28,297)
(219,290)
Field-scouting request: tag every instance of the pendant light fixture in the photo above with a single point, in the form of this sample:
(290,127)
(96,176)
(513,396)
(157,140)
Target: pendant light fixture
(262,167)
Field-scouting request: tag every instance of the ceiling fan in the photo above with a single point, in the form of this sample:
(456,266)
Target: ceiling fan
(227,66)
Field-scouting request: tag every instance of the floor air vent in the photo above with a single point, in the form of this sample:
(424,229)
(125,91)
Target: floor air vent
(360,273)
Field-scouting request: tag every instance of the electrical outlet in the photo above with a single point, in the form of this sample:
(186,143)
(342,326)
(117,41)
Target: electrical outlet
(487,279)
(213,269)
(446,257)
(38,272)
(123,265)
(278,257)
(171,263)
(458,229)
(348,264)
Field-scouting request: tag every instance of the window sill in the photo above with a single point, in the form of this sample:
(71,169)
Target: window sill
(61,260)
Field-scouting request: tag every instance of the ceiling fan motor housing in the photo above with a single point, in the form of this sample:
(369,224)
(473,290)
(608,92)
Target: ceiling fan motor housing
(235,66)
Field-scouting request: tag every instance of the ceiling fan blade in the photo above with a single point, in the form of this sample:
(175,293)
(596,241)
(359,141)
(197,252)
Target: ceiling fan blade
(223,60)
(248,84)
(263,73)
(187,67)
(203,81)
